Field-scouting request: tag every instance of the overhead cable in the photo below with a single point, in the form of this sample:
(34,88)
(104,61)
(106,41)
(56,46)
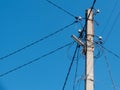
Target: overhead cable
(112,27)
(109,71)
(84,28)
(110,16)
(110,51)
(76,69)
(35,42)
(32,61)
(70,67)
(116,55)
(102,83)
(92,7)
(61,8)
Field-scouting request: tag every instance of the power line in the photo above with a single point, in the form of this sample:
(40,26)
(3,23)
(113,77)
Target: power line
(35,42)
(109,17)
(112,27)
(110,74)
(116,55)
(32,61)
(84,28)
(105,84)
(70,67)
(92,7)
(111,52)
(61,8)
(76,69)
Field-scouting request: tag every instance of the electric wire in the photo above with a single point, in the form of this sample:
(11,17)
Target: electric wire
(116,55)
(68,54)
(110,16)
(84,28)
(109,71)
(112,27)
(84,76)
(70,67)
(101,83)
(66,79)
(102,47)
(92,7)
(99,52)
(76,69)
(61,8)
(32,61)
(80,82)
(35,42)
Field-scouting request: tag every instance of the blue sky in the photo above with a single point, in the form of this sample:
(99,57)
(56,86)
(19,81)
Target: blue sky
(25,21)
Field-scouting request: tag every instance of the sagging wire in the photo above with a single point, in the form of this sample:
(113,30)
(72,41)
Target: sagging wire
(36,42)
(35,60)
(97,47)
(98,42)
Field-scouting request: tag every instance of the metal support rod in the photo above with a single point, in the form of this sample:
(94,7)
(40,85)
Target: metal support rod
(77,40)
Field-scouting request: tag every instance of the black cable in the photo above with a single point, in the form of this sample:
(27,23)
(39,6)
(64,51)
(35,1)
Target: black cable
(35,42)
(105,84)
(116,55)
(102,47)
(92,7)
(109,17)
(70,67)
(60,8)
(84,28)
(110,73)
(80,82)
(112,27)
(76,69)
(32,61)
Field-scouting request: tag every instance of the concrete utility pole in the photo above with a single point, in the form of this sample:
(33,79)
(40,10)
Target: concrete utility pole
(88,49)
(89,65)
